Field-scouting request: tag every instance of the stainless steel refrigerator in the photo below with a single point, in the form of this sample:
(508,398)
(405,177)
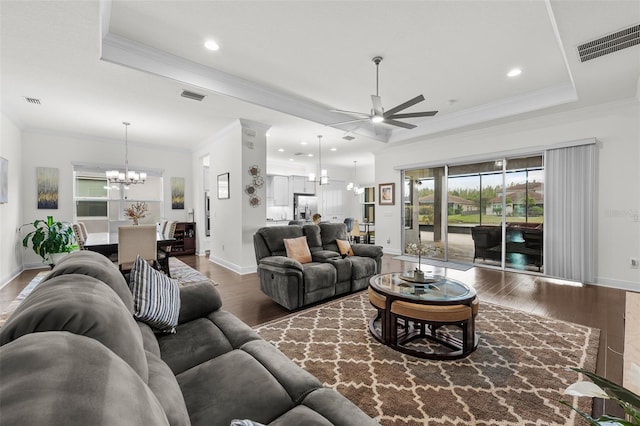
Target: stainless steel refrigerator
(304,206)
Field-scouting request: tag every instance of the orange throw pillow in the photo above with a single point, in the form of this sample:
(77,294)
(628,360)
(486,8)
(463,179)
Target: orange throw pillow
(298,249)
(345,247)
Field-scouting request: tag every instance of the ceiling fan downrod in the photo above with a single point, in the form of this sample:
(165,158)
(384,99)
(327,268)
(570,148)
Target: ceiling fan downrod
(376,60)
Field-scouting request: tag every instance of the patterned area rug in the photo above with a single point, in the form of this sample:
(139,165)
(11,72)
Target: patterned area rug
(184,273)
(515,377)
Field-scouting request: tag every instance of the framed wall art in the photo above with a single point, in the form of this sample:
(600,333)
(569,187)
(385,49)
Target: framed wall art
(177,193)
(47,181)
(223,186)
(387,193)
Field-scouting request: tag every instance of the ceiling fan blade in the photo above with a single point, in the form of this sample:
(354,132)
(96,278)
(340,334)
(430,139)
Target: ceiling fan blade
(349,121)
(362,114)
(405,105)
(377,104)
(414,114)
(399,124)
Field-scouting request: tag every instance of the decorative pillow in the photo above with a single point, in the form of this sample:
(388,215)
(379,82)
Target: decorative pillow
(344,247)
(156,297)
(298,249)
(244,422)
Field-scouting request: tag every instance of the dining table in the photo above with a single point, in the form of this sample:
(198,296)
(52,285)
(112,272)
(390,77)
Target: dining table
(106,243)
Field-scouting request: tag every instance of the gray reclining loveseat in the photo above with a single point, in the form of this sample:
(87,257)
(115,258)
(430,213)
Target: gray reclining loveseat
(294,284)
(73,354)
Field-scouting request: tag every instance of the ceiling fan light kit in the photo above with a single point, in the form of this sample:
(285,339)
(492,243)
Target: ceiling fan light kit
(379,115)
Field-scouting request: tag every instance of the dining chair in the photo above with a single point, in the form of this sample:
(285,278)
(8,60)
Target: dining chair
(355,231)
(83,228)
(134,240)
(77,233)
(165,252)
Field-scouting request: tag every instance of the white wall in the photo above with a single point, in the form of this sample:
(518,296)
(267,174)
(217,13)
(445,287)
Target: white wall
(41,149)
(616,127)
(11,212)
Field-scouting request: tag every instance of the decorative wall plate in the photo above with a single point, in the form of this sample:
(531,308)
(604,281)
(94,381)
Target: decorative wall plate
(250,189)
(254,201)
(254,170)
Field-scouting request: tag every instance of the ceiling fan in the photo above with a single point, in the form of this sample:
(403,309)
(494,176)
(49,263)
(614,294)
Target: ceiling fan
(379,115)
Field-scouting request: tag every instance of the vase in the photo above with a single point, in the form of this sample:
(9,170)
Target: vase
(135,221)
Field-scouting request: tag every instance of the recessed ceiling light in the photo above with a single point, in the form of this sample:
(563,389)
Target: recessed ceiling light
(303,143)
(514,72)
(290,159)
(281,150)
(334,149)
(211,45)
(309,155)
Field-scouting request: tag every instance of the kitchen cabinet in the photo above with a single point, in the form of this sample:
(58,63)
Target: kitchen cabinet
(301,185)
(278,189)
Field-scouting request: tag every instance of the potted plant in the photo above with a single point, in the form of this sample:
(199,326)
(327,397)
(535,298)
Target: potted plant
(49,238)
(627,400)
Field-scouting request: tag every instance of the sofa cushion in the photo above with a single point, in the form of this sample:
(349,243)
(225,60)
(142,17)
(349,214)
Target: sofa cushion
(95,265)
(156,297)
(198,300)
(298,249)
(164,386)
(59,378)
(330,233)
(240,386)
(362,267)
(81,305)
(314,239)
(202,339)
(273,237)
(345,247)
(319,276)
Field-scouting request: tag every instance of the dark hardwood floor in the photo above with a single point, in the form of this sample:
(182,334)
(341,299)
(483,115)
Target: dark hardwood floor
(593,306)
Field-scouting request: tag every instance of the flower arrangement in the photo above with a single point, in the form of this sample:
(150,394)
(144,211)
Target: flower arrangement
(136,211)
(627,400)
(420,250)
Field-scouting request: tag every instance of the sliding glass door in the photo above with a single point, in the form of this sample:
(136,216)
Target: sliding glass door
(489,212)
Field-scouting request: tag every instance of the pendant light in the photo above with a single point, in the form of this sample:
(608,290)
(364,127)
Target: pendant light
(324,179)
(128,176)
(354,186)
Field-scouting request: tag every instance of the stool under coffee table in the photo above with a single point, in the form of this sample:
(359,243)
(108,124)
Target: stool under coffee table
(416,316)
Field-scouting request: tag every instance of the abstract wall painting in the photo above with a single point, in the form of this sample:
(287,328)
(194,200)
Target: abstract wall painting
(47,181)
(177,193)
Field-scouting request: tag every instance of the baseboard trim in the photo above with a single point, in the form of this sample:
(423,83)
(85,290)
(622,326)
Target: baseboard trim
(240,270)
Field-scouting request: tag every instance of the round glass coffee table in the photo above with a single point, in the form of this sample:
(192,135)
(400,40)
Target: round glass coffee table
(431,317)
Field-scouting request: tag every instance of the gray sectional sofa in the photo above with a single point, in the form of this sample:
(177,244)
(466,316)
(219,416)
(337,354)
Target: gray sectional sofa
(73,354)
(294,284)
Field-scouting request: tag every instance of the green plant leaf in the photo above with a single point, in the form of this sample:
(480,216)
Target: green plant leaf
(620,392)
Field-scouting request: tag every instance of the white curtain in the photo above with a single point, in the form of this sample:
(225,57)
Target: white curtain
(569,227)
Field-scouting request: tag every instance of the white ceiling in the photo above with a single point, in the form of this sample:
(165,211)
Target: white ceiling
(287,64)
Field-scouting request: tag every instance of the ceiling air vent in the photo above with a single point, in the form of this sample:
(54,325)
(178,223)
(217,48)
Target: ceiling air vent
(34,101)
(192,95)
(348,138)
(610,43)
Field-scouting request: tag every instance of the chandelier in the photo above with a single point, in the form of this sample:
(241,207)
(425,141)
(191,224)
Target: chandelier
(354,186)
(324,179)
(128,176)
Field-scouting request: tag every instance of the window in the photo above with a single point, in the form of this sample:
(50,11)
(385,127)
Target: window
(369,205)
(464,210)
(101,206)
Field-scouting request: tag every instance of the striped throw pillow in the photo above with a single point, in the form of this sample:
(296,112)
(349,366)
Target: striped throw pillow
(156,297)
